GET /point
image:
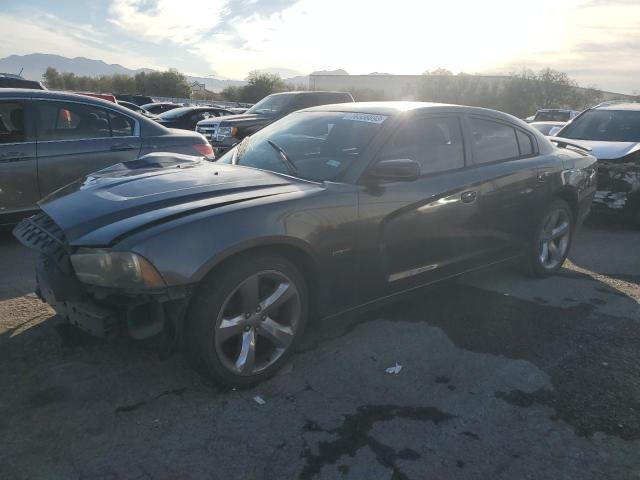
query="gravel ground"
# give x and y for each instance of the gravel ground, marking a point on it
(502, 377)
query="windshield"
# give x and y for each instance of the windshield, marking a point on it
(173, 114)
(552, 116)
(316, 146)
(270, 105)
(605, 125)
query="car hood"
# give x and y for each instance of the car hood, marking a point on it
(102, 207)
(609, 150)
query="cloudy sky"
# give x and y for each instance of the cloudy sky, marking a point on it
(595, 41)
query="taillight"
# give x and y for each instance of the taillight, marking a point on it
(205, 149)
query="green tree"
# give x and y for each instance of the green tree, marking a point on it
(232, 93)
(260, 84)
(51, 78)
(164, 84)
(438, 71)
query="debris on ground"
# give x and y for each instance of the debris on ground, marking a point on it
(395, 370)
(259, 400)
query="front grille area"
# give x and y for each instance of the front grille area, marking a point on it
(208, 132)
(41, 233)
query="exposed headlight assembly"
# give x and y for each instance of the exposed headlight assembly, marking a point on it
(107, 268)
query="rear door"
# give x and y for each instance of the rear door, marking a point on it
(419, 231)
(18, 165)
(512, 183)
(75, 139)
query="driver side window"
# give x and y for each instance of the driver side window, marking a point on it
(435, 143)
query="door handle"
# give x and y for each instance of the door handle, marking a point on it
(469, 196)
(122, 147)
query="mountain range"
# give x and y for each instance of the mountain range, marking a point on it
(34, 65)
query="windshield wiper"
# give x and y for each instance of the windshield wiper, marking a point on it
(285, 158)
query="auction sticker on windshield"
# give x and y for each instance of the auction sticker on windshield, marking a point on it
(365, 117)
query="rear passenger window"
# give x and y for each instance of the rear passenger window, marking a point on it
(525, 144)
(493, 141)
(435, 143)
(11, 122)
(121, 126)
(71, 121)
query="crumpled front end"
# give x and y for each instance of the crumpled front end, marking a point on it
(99, 311)
(619, 184)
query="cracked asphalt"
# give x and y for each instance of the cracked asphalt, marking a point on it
(502, 377)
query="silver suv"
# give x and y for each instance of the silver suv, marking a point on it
(612, 131)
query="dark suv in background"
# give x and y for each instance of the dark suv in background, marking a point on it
(224, 133)
(8, 80)
(186, 118)
(48, 139)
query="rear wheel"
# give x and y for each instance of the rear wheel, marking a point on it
(552, 239)
(246, 319)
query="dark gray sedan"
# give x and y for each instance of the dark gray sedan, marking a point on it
(327, 210)
(48, 139)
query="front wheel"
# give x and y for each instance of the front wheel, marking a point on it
(552, 238)
(246, 319)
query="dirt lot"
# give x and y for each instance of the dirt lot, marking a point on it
(503, 378)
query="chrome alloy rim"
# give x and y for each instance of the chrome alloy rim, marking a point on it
(257, 323)
(554, 239)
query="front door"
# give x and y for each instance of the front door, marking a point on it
(423, 230)
(18, 165)
(75, 139)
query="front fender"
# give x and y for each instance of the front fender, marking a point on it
(270, 241)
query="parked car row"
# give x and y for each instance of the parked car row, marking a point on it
(386, 196)
(224, 133)
(327, 210)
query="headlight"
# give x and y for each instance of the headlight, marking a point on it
(115, 269)
(227, 131)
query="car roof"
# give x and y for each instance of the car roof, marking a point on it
(308, 92)
(632, 106)
(397, 108)
(52, 95)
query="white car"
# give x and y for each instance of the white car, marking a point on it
(548, 129)
(612, 131)
(553, 115)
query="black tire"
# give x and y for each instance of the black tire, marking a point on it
(533, 264)
(204, 317)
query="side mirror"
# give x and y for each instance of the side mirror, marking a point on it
(403, 169)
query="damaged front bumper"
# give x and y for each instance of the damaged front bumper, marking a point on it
(618, 186)
(109, 312)
(100, 311)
